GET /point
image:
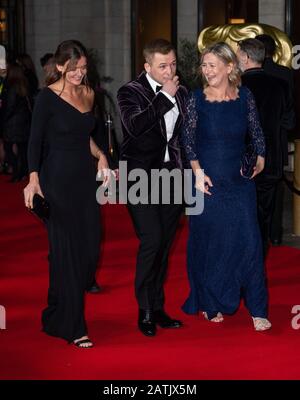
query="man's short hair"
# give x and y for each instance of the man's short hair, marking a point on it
(269, 43)
(161, 46)
(254, 49)
(46, 57)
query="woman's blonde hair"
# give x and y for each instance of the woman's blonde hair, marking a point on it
(225, 53)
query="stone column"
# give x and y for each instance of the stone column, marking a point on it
(187, 20)
(272, 12)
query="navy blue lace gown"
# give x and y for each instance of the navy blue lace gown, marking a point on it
(224, 247)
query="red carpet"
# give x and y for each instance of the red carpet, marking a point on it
(200, 350)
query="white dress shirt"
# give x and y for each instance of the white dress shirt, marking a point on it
(170, 117)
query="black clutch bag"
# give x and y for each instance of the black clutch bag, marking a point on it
(249, 160)
(40, 208)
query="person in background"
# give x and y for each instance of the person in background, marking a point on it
(46, 59)
(3, 73)
(276, 116)
(286, 74)
(3, 70)
(46, 62)
(26, 63)
(16, 118)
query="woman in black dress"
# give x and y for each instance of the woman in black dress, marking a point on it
(62, 170)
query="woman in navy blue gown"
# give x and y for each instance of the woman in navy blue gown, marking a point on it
(225, 257)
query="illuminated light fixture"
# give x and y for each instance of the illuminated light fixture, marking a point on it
(2, 26)
(2, 20)
(236, 21)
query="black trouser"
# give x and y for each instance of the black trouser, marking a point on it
(9, 157)
(155, 226)
(18, 161)
(276, 229)
(265, 190)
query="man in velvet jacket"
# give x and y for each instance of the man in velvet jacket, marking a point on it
(152, 108)
(276, 114)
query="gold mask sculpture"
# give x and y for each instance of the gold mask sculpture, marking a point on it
(232, 34)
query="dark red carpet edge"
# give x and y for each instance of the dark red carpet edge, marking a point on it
(200, 350)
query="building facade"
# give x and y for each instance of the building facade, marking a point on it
(117, 29)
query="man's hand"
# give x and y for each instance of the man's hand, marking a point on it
(171, 86)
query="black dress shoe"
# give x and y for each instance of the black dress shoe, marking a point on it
(6, 169)
(14, 179)
(276, 242)
(145, 323)
(17, 177)
(164, 321)
(94, 289)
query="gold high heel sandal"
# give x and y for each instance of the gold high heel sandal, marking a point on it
(218, 318)
(261, 324)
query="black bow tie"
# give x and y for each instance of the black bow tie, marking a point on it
(158, 88)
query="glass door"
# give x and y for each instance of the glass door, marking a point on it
(150, 20)
(12, 34)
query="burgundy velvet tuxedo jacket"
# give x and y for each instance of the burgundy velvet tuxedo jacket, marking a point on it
(144, 131)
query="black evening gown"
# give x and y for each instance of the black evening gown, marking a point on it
(59, 150)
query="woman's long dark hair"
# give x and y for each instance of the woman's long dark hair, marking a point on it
(69, 50)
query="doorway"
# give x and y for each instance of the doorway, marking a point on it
(12, 34)
(150, 20)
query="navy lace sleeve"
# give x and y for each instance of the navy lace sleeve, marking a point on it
(254, 127)
(189, 128)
